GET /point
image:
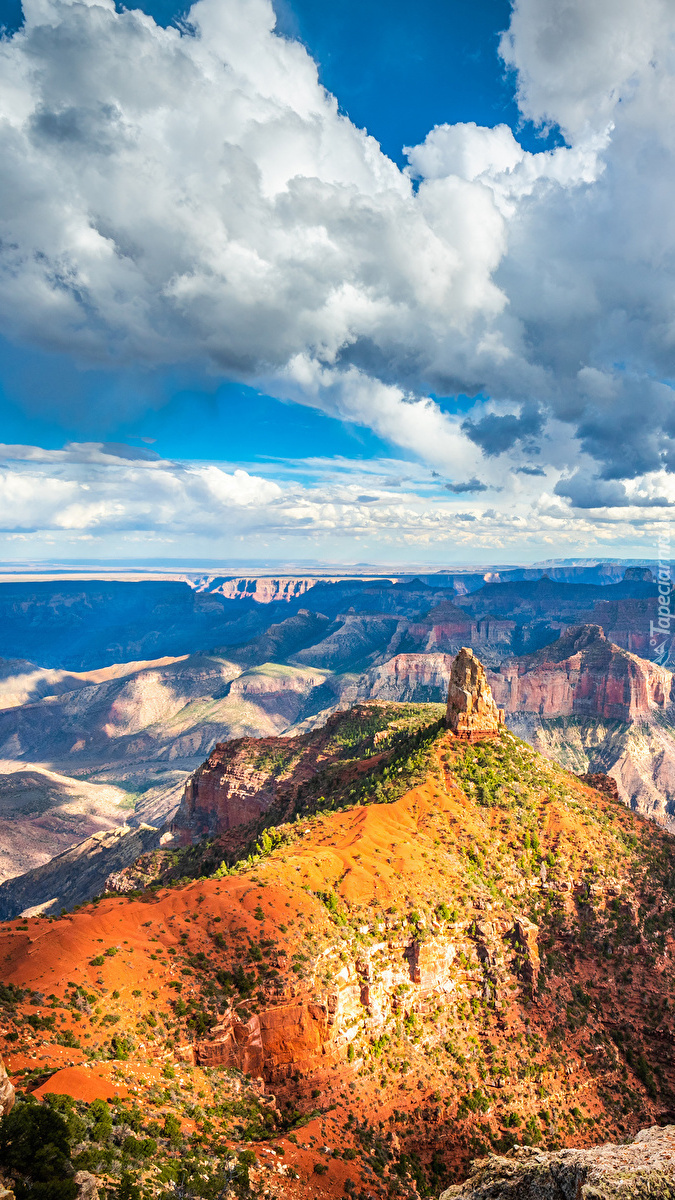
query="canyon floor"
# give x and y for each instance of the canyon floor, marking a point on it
(418, 951)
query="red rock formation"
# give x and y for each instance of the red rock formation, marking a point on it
(626, 623)
(471, 712)
(447, 627)
(241, 779)
(273, 1044)
(227, 790)
(582, 674)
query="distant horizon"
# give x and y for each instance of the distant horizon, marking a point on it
(13, 570)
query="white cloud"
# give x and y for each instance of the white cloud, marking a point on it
(106, 500)
(577, 60)
(195, 195)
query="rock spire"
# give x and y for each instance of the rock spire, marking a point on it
(471, 713)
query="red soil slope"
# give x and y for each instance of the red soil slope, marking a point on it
(445, 967)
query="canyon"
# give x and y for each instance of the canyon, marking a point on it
(125, 736)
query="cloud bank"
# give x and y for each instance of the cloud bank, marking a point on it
(97, 492)
(194, 195)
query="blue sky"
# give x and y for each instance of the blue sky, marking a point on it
(420, 314)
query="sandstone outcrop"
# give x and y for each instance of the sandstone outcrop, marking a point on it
(471, 711)
(229, 789)
(643, 1168)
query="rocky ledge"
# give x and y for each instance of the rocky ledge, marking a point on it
(643, 1167)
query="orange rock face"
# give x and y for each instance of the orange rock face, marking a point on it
(272, 1044)
(472, 712)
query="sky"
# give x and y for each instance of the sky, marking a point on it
(368, 282)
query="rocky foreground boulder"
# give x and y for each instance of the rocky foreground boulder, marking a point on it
(643, 1167)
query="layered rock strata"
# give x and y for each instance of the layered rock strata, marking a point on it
(385, 983)
(582, 674)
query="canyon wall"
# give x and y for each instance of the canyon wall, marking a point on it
(583, 674)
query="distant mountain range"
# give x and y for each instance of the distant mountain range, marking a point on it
(82, 625)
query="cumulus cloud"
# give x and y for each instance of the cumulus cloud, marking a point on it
(85, 488)
(589, 491)
(194, 195)
(577, 61)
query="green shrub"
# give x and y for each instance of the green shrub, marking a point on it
(126, 1189)
(35, 1149)
(102, 1128)
(172, 1129)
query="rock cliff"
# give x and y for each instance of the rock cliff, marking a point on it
(411, 677)
(263, 589)
(582, 674)
(596, 707)
(231, 788)
(246, 777)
